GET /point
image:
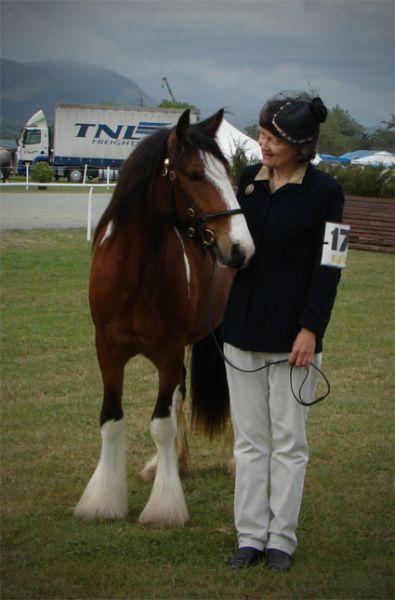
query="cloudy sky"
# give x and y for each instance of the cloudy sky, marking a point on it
(220, 52)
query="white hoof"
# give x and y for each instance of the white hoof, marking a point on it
(165, 512)
(105, 496)
(99, 501)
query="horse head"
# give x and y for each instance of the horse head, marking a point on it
(200, 194)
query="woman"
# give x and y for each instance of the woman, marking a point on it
(278, 308)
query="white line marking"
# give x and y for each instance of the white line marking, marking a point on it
(186, 262)
(109, 231)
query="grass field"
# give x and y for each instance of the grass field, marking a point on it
(51, 395)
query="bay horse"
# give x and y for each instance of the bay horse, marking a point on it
(159, 281)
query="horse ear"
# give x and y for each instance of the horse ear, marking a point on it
(211, 124)
(183, 124)
(179, 132)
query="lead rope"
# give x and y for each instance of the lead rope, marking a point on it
(267, 364)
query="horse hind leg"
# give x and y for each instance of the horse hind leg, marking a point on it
(182, 436)
(147, 473)
(105, 496)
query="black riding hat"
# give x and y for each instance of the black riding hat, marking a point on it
(298, 121)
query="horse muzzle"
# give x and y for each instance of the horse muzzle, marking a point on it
(235, 256)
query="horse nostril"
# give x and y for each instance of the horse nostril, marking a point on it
(238, 256)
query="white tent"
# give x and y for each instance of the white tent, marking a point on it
(384, 159)
(229, 139)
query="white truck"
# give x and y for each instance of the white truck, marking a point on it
(90, 139)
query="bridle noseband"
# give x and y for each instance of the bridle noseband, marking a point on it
(197, 221)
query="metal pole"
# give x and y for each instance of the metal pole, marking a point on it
(89, 221)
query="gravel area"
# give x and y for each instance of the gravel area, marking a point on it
(26, 210)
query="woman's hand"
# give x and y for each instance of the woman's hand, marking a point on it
(303, 349)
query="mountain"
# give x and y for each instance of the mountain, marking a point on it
(27, 87)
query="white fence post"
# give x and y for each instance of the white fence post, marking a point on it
(27, 176)
(89, 220)
(108, 177)
(85, 172)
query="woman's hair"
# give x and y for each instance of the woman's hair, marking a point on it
(295, 121)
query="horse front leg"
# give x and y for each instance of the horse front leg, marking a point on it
(105, 496)
(147, 473)
(166, 504)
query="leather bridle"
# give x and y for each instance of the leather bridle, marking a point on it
(197, 222)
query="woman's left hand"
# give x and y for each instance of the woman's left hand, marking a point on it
(303, 349)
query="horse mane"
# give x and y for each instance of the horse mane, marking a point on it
(134, 187)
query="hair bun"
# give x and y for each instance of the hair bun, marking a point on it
(318, 109)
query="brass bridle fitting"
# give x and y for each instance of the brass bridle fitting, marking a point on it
(165, 170)
(208, 237)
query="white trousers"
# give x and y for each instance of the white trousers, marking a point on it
(271, 451)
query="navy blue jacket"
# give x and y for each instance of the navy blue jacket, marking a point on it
(284, 288)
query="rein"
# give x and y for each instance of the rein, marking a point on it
(298, 396)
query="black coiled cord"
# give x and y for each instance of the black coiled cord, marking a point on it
(298, 396)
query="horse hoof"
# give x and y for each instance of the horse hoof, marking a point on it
(102, 501)
(163, 518)
(232, 467)
(147, 473)
(88, 513)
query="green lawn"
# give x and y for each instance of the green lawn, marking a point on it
(51, 396)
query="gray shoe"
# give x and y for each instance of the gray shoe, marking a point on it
(245, 557)
(277, 561)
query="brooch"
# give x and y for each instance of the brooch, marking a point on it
(249, 189)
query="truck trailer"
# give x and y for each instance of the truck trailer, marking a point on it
(90, 138)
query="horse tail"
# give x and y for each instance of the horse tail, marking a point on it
(209, 388)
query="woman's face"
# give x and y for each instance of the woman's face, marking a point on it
(275, 152)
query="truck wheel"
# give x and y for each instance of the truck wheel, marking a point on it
(75, 176)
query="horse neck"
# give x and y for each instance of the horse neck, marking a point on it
(146, 225)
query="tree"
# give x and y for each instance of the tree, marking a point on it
(341, 133)
(171, 104)
(383, 139)
(391, 123)
(252, 131)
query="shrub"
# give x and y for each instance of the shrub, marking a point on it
(42, 172)
(377, 182)
(237, 163)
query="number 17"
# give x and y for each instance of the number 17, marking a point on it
(335, 239)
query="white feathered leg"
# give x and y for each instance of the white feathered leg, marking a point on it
(147, 473)
(166, 504)
(105, 496)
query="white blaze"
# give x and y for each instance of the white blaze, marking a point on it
(239, 233)
(109, 230)
(186, 262)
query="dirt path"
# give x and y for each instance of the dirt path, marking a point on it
(26, 210)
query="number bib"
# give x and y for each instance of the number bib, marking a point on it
(335, 246)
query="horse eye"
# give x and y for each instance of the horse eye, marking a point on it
(194, 176)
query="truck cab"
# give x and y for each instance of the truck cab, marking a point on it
(34, 142)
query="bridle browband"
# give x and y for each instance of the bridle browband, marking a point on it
(197, 221)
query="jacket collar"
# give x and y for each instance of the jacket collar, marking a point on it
(297, 177)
